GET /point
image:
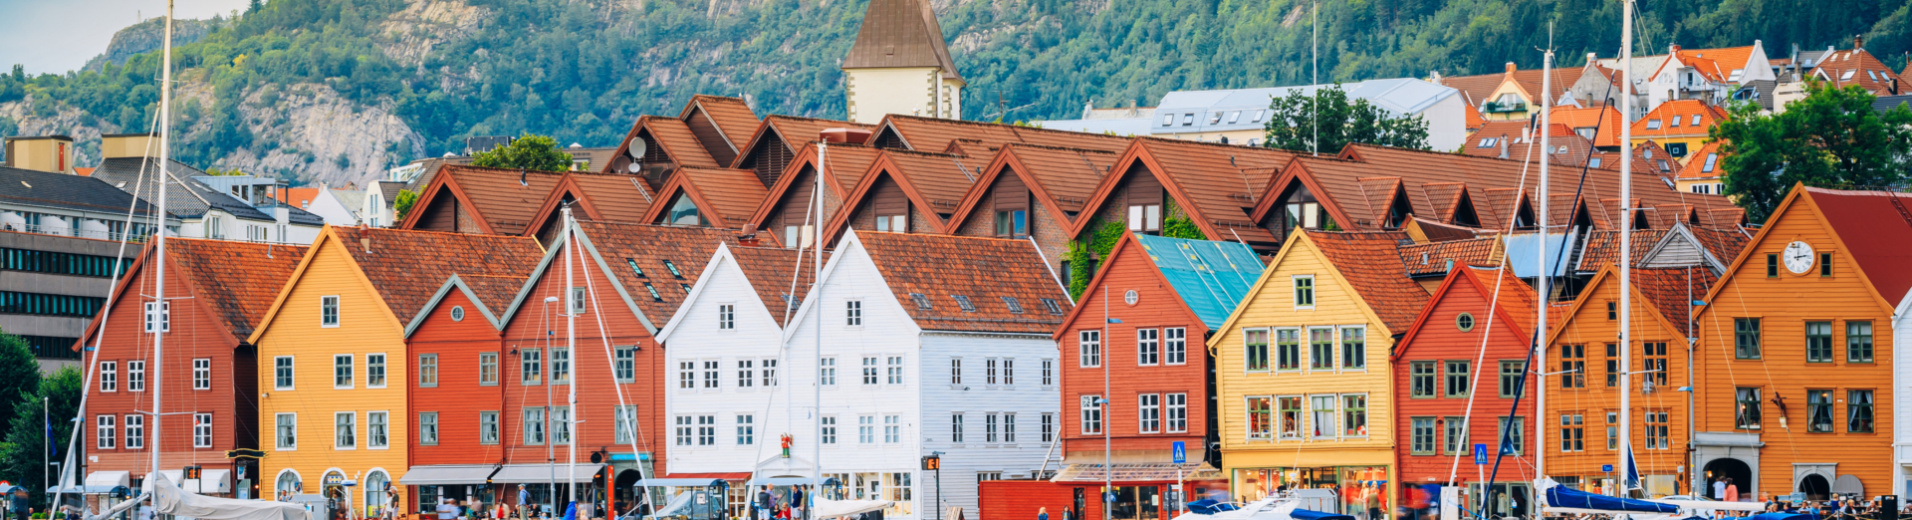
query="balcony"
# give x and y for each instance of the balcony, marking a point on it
(1495, 107)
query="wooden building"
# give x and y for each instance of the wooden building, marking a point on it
(455, 396)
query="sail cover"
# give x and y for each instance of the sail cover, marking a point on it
(169, 499)
(1563, 496)
(1304, 514)
(1783, 516)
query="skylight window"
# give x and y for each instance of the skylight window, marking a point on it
(635, 268)
(1015, 307)
(1258, 115)
(653, 289)
(922, 301)
(1664, 167)
(1652, 124)
(1676, 122)
(1234, 117)
(1168, 119)
(673, 268)
(1711, 160)
(1054, 308)
(1488, 142)
(963, 301)
(1870, 74)
(1848, 75)
(1215, 118)
(1696, 120)
(1188, 119)
(1594, 162)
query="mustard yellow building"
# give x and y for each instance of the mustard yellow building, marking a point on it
(1680, 126)
(1302, 374)
(333, 365)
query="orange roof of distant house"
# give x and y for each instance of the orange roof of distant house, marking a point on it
(1858, 67)
(1704, 164)
(1678, 118)
(1716, 64)
(1474, 119)
(1606, 119)
(298, 197)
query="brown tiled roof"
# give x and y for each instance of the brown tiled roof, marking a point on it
(1604, 120)
(1667, 290)
(985, 270)
(732, 116)
(1069, 175)
(1724, 244)
(504, 198)
(982, 140)
(942, 180)
(495, 292)
(1603, 246)
(1675, 119)
(1215, 181)
(900, 34)
(727, 197)
(1432, 258)
(615, 197)
(687, 248)
(1475, 90)
(1371, 263)
(1697, 167)
(669, 135)
(1437, 231)
(770, 269)
(846, 165)
(1876, 229)
(1516, 301)
(407, 267)
(239, 280)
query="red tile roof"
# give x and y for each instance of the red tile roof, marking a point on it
(1604, 121)
(1671, 290)
(984, 270)
(1214, 183)
(297, 197)
(503, 199)
(1063, 179)
(726, 198)
(1432, 258)
(407, 267)
(495, 292)
(770, 270)
(732, 116)
(982, 140)
(1674, 118)
(1371, 263)
(239, 280)
(1858, 67)
(650, 247)
(1698, 167)
(1876, 229)
(668, 136)
(1601, 248)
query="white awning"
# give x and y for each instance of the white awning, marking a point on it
(108, 478)
(210, 482)
(535, 473)
(447, 474)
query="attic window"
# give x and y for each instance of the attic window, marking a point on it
(1848, 74)
(963, 301)
(1652, 124)
(1188, 119)
(1258, 115)
(1675, 123)
(1488, 142)
(1664, 167)
(922, 302)
(673, 268)
(1215, 118)
(685, 286)
(1234, 117)
(1594, 162)
(1696, 120)
(635, 268)
(1423, 258)
(792, 301)
(1054, 308)
(1711, 159)
(1015, 307)
(1870, 74)
(654, 296)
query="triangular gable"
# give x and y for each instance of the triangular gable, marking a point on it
(443, 185)
(1006, 160)
(567, 190)
(327, 238)
(1294, 242)
(1123, 248)
(670, 141)
(1800, 193)
(551, 256)
(1679, 242)
(1138, 156)
(1296, 173)
(885, 167)
(806, 158)
(680, 185)
(121, 292)
(718, 260)
(453, 283)
(1586, 295)
(1462, 275)
(846, 247)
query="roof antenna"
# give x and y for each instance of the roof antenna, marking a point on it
(521, 177)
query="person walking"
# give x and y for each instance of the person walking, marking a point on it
(446, 510)
(1719, 488)
(1042, 513)
(766, 504)
(1732, 491)
(21, 504)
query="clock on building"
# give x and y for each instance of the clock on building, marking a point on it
(1798, 257)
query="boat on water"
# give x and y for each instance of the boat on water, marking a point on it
(1285, 505)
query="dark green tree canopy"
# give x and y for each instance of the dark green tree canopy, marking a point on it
(1831, 139)
(530, 152)
(1295, 123)
(23, 455)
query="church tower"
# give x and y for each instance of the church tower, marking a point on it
(900, 65)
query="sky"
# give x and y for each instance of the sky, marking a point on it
(57, 36)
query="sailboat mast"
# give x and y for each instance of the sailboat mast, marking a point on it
(570, 354)
(1625, 466)
(816, 280)
(1542, 278)
(157, 316)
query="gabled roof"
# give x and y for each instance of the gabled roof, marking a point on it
(72, 192)
(900, 34)
(770, 270)
(668, 136)
(845, 165)
(1604, 120)
(622, 249)
(1514, 304)
(1371, 264)
(1716, 64)
(1858, 67)
(726, 198)
(983, 270)
(1213, 183)
(598, 196)
(1600, 248)
(1211, 277)
(980, 140)
(1674, 118)
(1671, 290)
(489, 293)
(1699, 167)
(935, 184)
(1566, 147)
(1876, 229)
(503, 201)
(1062, 178)
(732, 117)
(236, 281)
(1439, 258)
(1479, 89)
(795, 133)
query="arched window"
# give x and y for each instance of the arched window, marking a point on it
(287, 485)
(375, 484)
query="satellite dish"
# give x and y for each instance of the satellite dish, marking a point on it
(634, 167)
(637, 148)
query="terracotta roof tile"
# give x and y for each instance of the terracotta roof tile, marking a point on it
(941, 179)
(982, 140)
(1603, 121)
(732, 116)
(655, 249)
(495, 292)
(732, 195)
(1601, 248)
(239, 279)
(1431, 259)
(1876, 228)
(1699, 167)
(1223, 182)
(506, 199)
(1070, 175)
(984, 270)
(1674, 118)
(616, 197)
(1436, 231)
(1859, 67)
(1671, 290)
(407, 267)
(1371, 263)
(1724, 244)
(770, 270)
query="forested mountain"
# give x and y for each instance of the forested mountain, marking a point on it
(338, 89)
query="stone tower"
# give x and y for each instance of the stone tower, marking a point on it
(900, 65)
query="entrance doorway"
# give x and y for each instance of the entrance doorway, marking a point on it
(625, 491)
(1815, 487)
(1730, 470)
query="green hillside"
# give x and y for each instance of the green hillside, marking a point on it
(582, 70)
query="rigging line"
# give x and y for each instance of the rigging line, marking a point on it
(636, 435)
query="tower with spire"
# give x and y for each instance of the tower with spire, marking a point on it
(901, 65)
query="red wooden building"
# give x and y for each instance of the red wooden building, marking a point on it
(1465, 357)
(1139, 331)
(217, 291)
(456, 396)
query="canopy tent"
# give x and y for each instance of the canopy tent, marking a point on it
(447, 474)
(108, 478)
(536, 473)
(210, 481)
(827, 508)
(169, 499)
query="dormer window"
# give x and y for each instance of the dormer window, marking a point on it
(1696, 120)
(1488, 142)
(963, 301)
(1015, 307)
(921, 300)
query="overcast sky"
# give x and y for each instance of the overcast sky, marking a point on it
(60, 35)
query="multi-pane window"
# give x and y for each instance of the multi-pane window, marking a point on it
(1048, 427)
(1613, 431)
(956, 371)
(1819, 411)
(1859, 411)
(685, 430)
(345, 430)
(866, 429)
(1746, 408)
(560, 365)
(427, 369)
(1819, 342)
(1089, 348)
(135, 376)
(135, 431)
(1261, 418)
(1323, 407)
(202, 373)
(1457, 378)
(159, 317)
(1656, 430)
(1613, 365)
(1149, 410)
(560, 425)
(375, 371)
(1091, 415)
(342, 371)
(1048, 372)
(990, 434)
(625, 363)
(1354, 348)
(1008, 371)
(1288, 349)
(108, 434)
(286, 431)
(710, 374)
(1456, 436)
(1321, 349)
(488, 369)
(769, 372)
(706, 430)
(869, 370)
(428, 428)
(989, 371)
(1511, 377)
(1255, 345)
(1009, 428)
(488, 427)
(533, 425)
(1288, 414)
(109, 376)
(829, 429)
(1304, 292)
(853, 313)
(1573, 432)
(896, 370)
(1512, 432)
(1148, 347)
(687, 374)
(1859, 342)
(726, 317)
(625, 423)
(1655, 361)
(1573, 366)
(746, 429)
(892, 429)
(826, 371)
(328, 311)
(1175, 346)
(1421, 435)
(746, 373)
(531, 366)
(1746, 338)
(956, 428)
(281, 372)
(1421, 379)
(202, 430)
(1354, 415)
(1177, 412)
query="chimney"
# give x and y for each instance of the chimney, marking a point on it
(1858, 42)
(1434, 77)
(47, 153)
(365, 239)
(1503, 146)
(115, 146)
(1510, 67)
(1593, 58)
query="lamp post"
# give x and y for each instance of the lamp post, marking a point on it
(1102, 412)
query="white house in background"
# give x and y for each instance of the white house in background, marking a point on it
(376, 207)
(336, 210)
(723, 348)
(930, 343)
(1239, 116)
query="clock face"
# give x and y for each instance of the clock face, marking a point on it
(1798, 257)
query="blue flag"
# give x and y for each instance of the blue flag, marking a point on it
(52, 445)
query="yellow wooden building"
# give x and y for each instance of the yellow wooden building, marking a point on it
(1302, 373)
(333, 365)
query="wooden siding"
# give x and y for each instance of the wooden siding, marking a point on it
(709, 137)
(1783, 304)
(457, 397)
(1588, 326)
(1440, 339)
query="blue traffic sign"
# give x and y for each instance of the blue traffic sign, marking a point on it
(1180, 452)
(1480, 454)
(1109, 497)
(1606, 468)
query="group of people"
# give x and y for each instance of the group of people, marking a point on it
(771, 505)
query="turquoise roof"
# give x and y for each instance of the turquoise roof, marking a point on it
(1211, 277)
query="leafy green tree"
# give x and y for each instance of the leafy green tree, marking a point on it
(1300, 121)
(530, 152)
(19, 373)
(23, 455)
(1832, 138)
(403, 203)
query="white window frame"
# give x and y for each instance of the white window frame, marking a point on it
(202, 430)
(1314, 417)
(827, 371)
(135, 426)
(160, 313)
(351, 371)
(1090, 404)
(351, 424)
(106, 431)
(291, 369)
(624, 423)
(1173, 355)
(428, 428)
(853, 313)
(278, 441)
(136, 375)
(1089, 348)
(329, 312)
(384, 370)
(372, 441)
(1148, 347)
(1148, 408)
(726, 316)
(109, 376)
(1175, 413)
(202, 373)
